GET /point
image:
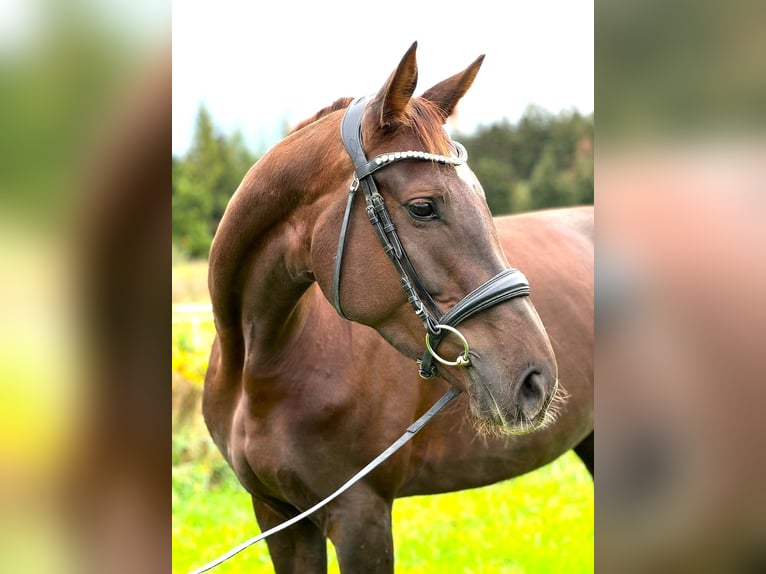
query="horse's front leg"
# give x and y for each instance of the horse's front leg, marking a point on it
(359, 525)
(300, 549)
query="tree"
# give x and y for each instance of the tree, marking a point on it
(203, 181)
(543, 161)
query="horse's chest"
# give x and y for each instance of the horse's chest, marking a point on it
(289, 450)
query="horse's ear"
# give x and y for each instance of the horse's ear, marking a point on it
(390, 103)
(446, 94)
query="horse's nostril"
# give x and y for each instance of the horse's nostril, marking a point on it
(532, 394)
(529, 386)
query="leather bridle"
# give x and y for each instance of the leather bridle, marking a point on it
(507, 284)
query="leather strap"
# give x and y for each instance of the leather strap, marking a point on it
(339, 254)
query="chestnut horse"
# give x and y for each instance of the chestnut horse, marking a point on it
(298, 397)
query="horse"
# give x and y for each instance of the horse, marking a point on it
(313, 369)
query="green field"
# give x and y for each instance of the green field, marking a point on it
(538, 523)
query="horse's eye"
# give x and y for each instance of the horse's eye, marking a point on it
(422, 210)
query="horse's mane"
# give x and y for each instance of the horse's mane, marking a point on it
(338, 104)
(421, 115)
(426, 121)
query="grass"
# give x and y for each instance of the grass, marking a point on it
(538, 523)
(541, 522)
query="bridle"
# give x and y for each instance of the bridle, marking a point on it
(508, 284)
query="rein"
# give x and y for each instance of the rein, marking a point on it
(382, 457)
(508, 284)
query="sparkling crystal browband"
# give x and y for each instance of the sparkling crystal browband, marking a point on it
(389, 157)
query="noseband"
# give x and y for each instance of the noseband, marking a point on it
(508, 284)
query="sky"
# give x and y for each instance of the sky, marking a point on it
(261, 66)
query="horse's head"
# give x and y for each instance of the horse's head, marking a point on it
(440, 216)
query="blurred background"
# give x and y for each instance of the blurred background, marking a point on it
(680, 278)
(84, 223)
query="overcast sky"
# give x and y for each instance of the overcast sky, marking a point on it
(258, 66)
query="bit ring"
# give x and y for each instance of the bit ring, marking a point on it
(461, 360)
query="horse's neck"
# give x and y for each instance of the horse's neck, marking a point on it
(275, 281)
(260, 258)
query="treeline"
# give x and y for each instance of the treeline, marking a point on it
(544, 160)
